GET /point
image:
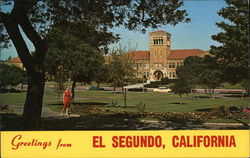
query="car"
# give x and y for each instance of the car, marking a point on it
(137, 89)
(95, 88)
(162, 89)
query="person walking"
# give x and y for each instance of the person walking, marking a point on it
(66, 101)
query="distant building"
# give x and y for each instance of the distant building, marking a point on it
(160, 61)
(16, 61)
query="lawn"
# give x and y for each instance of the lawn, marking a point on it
(154, 102)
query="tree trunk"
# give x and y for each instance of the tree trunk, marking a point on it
(124, 97)
(33, 103)
(73, 92)
(32, 63)
(198, 96)
(242, 94)
(180, 98)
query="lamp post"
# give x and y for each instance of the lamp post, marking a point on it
(143, 76)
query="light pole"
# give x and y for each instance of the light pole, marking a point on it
(143, 76)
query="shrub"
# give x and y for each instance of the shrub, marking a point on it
(141, 107)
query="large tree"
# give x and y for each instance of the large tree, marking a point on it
(210, 75)
(120, 70)
(70, 58)
(190, 71)
(232, 53)
(35, 17)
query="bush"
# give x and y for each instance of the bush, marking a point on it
(11, 75)
(141, 107)
(155, 84)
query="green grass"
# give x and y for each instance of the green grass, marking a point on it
(155, 102)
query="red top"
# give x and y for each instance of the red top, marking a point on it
(67, 94)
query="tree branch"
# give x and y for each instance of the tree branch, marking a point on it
(19, 43)
(20, 11)
(2, 17)
(10, 23)
(38, 42)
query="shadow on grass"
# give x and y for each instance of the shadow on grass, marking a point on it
(178, 103)
(12, 90)
(204, 110)
(82, 103)
(12, 122)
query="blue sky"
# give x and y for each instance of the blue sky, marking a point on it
(194, 35)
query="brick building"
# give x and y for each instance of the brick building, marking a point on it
(160, 61)
(17, 62)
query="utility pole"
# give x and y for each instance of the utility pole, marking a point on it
(143, 76)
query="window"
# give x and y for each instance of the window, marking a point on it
(158, 41)
(170, 74)
(155, 54)
(171, 65)
(178, 64)
(139, 65)
(160, 53)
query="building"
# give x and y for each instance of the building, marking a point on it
(17, 62)
(160, 61)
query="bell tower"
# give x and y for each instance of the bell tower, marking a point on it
(159, 51)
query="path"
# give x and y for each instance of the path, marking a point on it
(46, 112)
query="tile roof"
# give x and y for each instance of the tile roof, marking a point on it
(183, 53)
(135, 55)
(15, 60)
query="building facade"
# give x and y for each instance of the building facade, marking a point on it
(160, 61)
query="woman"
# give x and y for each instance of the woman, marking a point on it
(66, 101)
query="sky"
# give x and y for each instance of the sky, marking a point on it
(193, 35)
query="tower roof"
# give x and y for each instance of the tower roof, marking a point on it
(160, 32)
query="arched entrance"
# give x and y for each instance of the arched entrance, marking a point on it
(158, 75)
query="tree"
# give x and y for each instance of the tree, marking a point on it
(210, 76)
(10, 75)
(190, 71)
(165, 81)
(200, 71)
(120, 70)
(101, 75)
(181, 87)
(69, 58)
(35, 17)
(233, 53)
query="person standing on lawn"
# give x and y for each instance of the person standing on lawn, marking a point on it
(66, 101)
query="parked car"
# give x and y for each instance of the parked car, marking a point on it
(137, 89)
(95, 88)
(162, 89)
